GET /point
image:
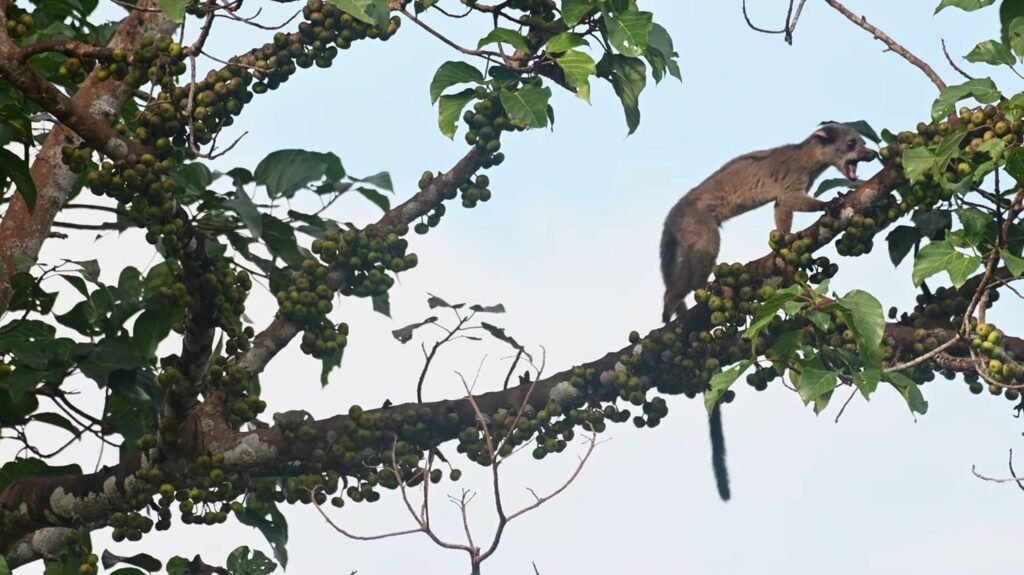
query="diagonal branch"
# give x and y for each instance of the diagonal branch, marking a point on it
(890, 43)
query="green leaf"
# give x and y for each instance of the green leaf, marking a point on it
(578, 67)
(499, 333)
(628, 77)
(574, 10)
(816, 383)
(867, 381)
(629, 31)
(992, 52)
(564, 42)
(56, 420)
(382, 304)
(910, 391)
(1009, 10)
(769, 308)
(369, 11)
(244, 561)
(942, 256)
(917, 161)
(449, 110)
(423, 5)
(981, 89)
(975, 223)
(378, 199)
(721, 381)
(1015, 33)
(279, 239)
(381, 180)
(141, 560)
(450, 74)
(284, 172)
(275, 529)
(15, 169)
(861, 127)
(329, 364)
(867, 325)
(527, 106)
(833, 183)
(195, 177)
(174, 9)
(247, 211)
(933, 224)
(4, 569)
(1013, 263)
(151, 327)
(901, 239)
(496, 308)
(177, 566)
(505, 36)
(661, 54)
(965, 5)
(1015, 164)
(404, 334)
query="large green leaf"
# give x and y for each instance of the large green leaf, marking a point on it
(450, 74)
(628, 32)
(449, 110)
(867, 322)
(244, 561)
(981, 89)
(247, 211)
(965, 5)
(505, 36)
(660, 54)
(942, 256)
(1009, 10)
(578, 67)
(284, 172)
(910, 391)
(901, 239)
(527, 106)
(574, 10)
(628, 77)
(815, 383)
(992, 52)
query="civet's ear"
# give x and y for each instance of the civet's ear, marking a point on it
(823, 135)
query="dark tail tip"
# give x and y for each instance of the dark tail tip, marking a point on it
(718, 453)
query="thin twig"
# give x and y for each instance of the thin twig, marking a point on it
(952, 64)
(791, 26)
(925, 357)
(762, 30)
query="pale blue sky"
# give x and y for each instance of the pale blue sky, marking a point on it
(568, 244)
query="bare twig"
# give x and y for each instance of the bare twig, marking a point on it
(952, 64)
(764, 30)
(924, 357)
(889, 42)
(791, 25)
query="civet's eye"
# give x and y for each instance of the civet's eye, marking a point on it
(851, 144)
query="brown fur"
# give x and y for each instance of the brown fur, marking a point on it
(690, 239)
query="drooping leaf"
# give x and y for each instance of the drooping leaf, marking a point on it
(933, 224)
(382, 304)
(901, 239)
(247, 211)
(434, 301)
(816, 383)
(628, 77)
(833, 183)
(499, 333)
(284, 172)
(452, 73)
(867, 323)
(975, 223)
(1015, 164)
(661, 54)
(496, 308)
(910, 391)
(16, 170)
(1013, 263)
(450, 108)
(721, 381)
(578, 67)
(1009, 10)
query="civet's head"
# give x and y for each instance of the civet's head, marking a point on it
(841, 146)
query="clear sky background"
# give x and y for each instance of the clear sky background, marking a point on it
(569, 245)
